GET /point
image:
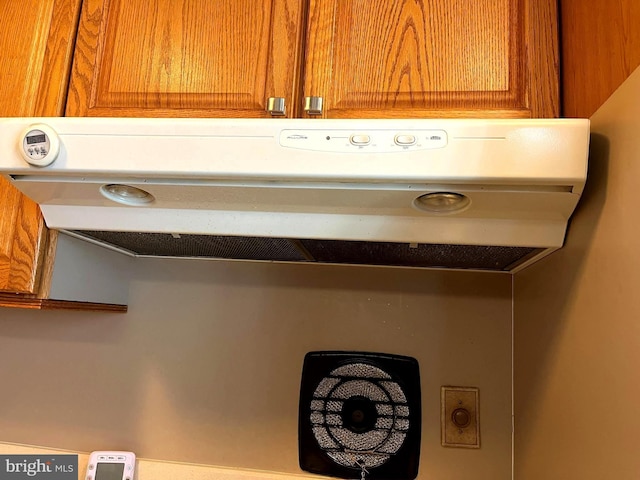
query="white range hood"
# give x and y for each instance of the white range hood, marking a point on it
(425, 193)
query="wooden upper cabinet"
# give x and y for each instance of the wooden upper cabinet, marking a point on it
(187, 58)
(433, 58)
(36, 44)
(364, 58)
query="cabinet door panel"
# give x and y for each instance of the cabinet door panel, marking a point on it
(409, 58)
(35, 55)
(185, 57)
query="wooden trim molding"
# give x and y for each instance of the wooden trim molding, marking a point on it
(26, 301)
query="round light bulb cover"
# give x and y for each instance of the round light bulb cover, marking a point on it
(126, 194)
(442, 203)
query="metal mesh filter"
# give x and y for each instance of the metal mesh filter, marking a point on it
(497, 258)
(420, 255)
(207, 246)
(359, 415)
(360, 370)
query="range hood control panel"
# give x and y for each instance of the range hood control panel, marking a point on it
(367, 141)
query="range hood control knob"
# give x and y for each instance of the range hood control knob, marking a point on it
(405, 140)
(360, 139)
(39, 145)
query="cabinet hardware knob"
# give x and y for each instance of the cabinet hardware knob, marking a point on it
(313, 105)
(276, 106)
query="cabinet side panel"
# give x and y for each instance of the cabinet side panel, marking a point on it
(21, 230)
(600, 48)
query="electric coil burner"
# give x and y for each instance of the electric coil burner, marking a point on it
(360, 414)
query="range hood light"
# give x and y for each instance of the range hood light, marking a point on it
(126, 194)
(442, 203)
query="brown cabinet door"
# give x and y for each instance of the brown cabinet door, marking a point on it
(185, 58)
(433, 58)
(36, 41)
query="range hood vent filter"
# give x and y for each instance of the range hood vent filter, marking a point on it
(477, 257)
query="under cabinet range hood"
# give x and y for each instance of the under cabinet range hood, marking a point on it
(472, 194)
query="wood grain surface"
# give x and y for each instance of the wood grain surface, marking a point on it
(542, 50)
(600, 48)
(451, 58)
(25, 301)
(21, 233)
(187, 58)
(36, 44)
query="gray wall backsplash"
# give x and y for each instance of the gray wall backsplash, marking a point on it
(205, 367)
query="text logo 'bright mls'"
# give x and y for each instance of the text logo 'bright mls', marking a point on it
(20, 467)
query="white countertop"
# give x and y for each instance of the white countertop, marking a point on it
(160, 470)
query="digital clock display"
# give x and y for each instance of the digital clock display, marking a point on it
(109, 471)
(36, 139)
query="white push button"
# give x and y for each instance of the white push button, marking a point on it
(360, 139)
(405, 139)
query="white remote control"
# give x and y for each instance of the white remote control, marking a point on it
(107, 465)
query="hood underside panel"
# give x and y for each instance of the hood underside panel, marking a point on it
(476, 257)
